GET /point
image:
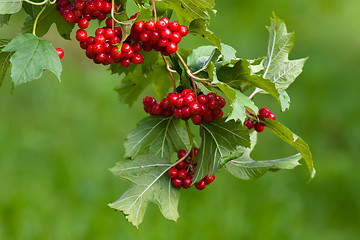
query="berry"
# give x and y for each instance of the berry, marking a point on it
(138, 26)
(174, 26)
(208, 179)
(125, 62)
(181, 153)
(176, 182)
(126, 48)
(183, 30)
(259, 126)
(272, 116)
(171, 47)
(156, 110)
(81, 35)
(200, 185)
(195, 108)
(249, 124)
(109, 33)
(264, 112)
(60, 52)
(182, 174)
(165, 19)
(69, 17)
(173, 172)
(98, 48)
(175, 37)
(180, 165)
(161, 25)
(137, 58)
(83, 23)
(196, 119)
(187, 182)
(166, 33)
(150, 25)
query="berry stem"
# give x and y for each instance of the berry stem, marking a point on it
(187, 71)
(36, 20)
(170, 72)
(38, 3)
(256, 91)
(155, 14)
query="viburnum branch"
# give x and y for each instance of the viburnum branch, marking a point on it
(36, 20)
(155, 14)
(187, 70)
(170, 71)
(197, 78)
(52, 2)
(256, 91)
(113, 17)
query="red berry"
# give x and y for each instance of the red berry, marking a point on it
(165, 104)
(203, 99)
(186, 112)
(174, 26)
(149, 101)
(83, 23)
(101, 57)
(178, 113)
(189, 99)
(60, 52)
(208, 179)
(162, 42)
(106, 7)
(195, 108)
(100, 39)
(180, 102)
(181, 153)
(109, 33)
(272, 116)
(259, 126)
(219, 115)
(89, 7)
(81, 35)
(118, 32)
(264, 112)
(172, 98)
(69, 17)
(165, 19)
(196, 119)
(161, 25)
(107, 47)
(115, 53)
(190, 175)
(176, 182)
(138, 26)
(180, 165)
(110, 22)
(137, 58)
(182, 174)
(175, 37)
(98, 48)
(183, 30)
(249, 124)
(136, 47)
(90, 40)
(222, 101)
(125, 62)
(200, 185)
(130, 54)
(186, 182)
(100, 31)
(144, 36)
(150, 25)
(171, 47)
(166, 33)
(83, 44)
(126, 48)
(156, 110)
(213, 104)
(114, 40)
(173, 172)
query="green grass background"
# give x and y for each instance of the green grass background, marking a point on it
(57, 141)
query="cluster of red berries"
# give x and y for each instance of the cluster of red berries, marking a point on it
(182, 173)
(185, 105)
(80, 10)
(162, 36)
(257, 125)
(102, 48)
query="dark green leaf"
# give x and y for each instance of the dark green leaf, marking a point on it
(46, 19)
(4, 60)
(10, 6)
(189, 10)
(279, 69)
(219, 140)
(148, 183)
(4, 19)
(31, 57)
(291, 138)
(244, 167)
(161, 80)
(198, 27)
(160, 136)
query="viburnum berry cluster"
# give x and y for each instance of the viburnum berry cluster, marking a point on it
(82, 11)
(186, 105)
(162, 36)
(182, 173)
(258, 125)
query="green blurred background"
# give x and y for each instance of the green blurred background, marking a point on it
(58, 141)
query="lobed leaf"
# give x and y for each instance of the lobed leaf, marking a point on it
(31, 57)
(198, 27)
(157, 135)
(244, 167)
(291, 138)
(10, 6)
(219, 140)
(148, 183)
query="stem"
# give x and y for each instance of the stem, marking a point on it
(170, 72)
(155, 14)
(36, 3)
(112, 15)
(37, 18)
(189, 132)
(256, 91)
(197, 78)
(187, 71)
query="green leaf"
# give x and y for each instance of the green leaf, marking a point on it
(189, 10)
(198, 27)
(46, 19)
(244, 167)
(200, 57)
(31, 57)
(148, 183)
(160, 136)
(279, 69)
(10, 6)
(4, 19)
(291, 138)
(228, 53)
(161, 80)
(219, 140)
(4, 60)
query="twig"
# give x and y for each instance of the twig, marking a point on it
(36, 19)
(256, 91)
(170, 72)
(187, 71)
(155, 15)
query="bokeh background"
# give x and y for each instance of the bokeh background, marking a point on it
(57, 141)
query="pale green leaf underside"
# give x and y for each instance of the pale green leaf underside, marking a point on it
(291, 138)
(148, 183)
(10, 6)
(31, 57)
(219, 139)
(157, 135)
(199, 27)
